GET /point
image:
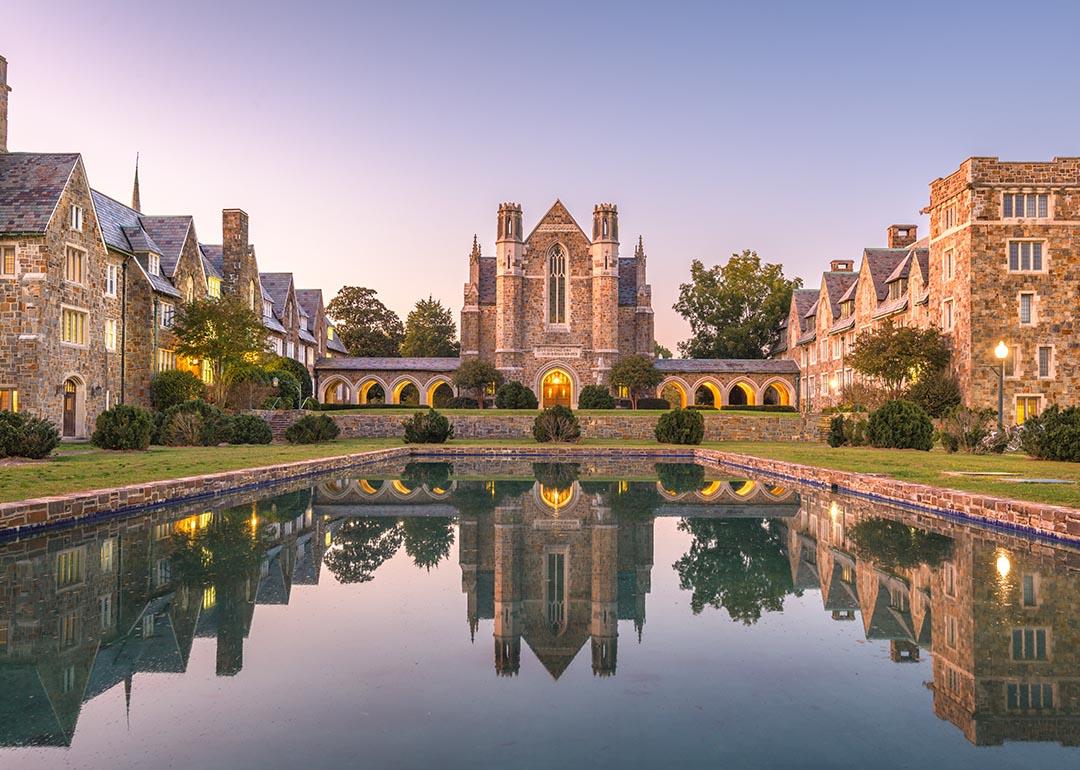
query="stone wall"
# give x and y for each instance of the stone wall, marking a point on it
(626, 425)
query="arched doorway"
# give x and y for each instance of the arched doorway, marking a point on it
(336, 392)
(440, 394)
(776, 394)
(371, 392)
(741, 394)
(407, 393)
(674, 394)
(72, 407)
(556, 389)
(708, 394)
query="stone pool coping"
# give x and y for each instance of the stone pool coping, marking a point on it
(1029, 518)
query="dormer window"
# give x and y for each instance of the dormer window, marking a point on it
(898, 288)
(268, 309)
(76, 217)
(847, 308)
(153, 264)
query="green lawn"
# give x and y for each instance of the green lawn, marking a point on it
(930, 468)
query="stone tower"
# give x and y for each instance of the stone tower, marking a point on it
(4, 89)
(509, 290)
(470, 310)
(508, 588)
(604, 253)
(604, 620)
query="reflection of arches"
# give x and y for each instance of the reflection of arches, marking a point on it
(74, 407)
(743, 488)
(371, 391)
(336, 390)
(708, 393)
(335, 489)
(439, 392)
(405, 390)
(776, 393)
(401, 489)
(711, 489)
(367, 488)
(674, 391)
(740, 393)
(557, 387)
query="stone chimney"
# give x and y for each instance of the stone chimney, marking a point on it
(902, 236)
(841, 266)
(4, 88)
(234, 247)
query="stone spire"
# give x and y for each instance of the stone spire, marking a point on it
(639, 250)
(136, 202)
(475, 248)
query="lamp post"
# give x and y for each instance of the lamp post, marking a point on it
(1001, 352)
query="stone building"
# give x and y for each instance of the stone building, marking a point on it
(999, 265)
(89, 289)
(553, 309)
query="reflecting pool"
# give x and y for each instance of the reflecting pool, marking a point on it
(514, 614)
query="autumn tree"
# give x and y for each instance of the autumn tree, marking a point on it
(430, 331)
(735, 309)
(223, 333)
(365, 326)
(477, 376)
(635, 373)
(895, 355)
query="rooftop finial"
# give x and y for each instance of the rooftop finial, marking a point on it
(475, 248)
(639, 251)
(136, 202)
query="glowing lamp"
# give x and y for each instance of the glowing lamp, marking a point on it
(1004, 566)
(1001, 352)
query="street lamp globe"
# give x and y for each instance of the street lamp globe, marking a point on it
(1001, 351)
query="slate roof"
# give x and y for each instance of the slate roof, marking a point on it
(628, 281)
(169, 232)
(902, 270)
(836, 284)
(117, 222)
(309, 301)
(273, 324)
(922, 258)
(306, 336)
(209, 267)
(842, 325)
(881, 263)
(850, 293)
(375, 364)
(727, 365)
(810, 336)
(213, 254)
(276, 285)
(811, 311)
(31, 184)
(888, 308)
(335, 345)
(486, 287)
(803, 299)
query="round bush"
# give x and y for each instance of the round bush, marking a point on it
(678, 478)
(167, 389)
(835, 436)
(194, 423)
(1053, 435)
(901, 425)
(557, 424)
(595, 397)
(288, 391)
(514, 395)
(23, 435)
(123, 427)
(428, 427)
(938, 393)
(680, 426)
(249, 429)
(312, 429)
(297, 370)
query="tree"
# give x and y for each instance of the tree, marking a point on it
(660, 351)
(365, 326)
(734, 310)
(894, 355)
(225, 334)
(361, 546)
(427, 539)
(477, 376)
(635, 373)
(430, 331)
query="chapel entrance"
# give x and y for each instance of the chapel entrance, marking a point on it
(71, 391)
(555, 389)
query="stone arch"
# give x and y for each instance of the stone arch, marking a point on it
(336, 390)
(559, 500)
(399, 390)
(367, 489)
(678, 387)
(777, 392)
(335, 489)
(73, 406)
(550, 369)
(365, 391)
(402, 491)
(707, 389)
(741, 392)
(743, 489)
(437, 388)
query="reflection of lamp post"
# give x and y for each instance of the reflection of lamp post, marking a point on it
(1001, 352)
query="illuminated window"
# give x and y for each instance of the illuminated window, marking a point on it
(1027, 205)
(557, 285)
(213, 287)
(206, 372)
(9, 400)
(69, 568)
(1029, 644)
(75, 265)
(1026, 695)
(166, 360)
(209, 597)
(110, 334)
(1025, 256)
(108, 555)
(7, 261)
(74, 326)
(1026, 407)
(76, 217)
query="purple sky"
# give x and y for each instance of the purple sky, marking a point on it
(368, 142)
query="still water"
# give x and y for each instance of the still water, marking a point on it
(519, 615)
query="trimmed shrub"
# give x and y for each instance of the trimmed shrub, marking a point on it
(835, 436)
(678, 478)
(287, 395)
(123, 427)
(23, 435)
(702, 407)
(558, 424)
(1053, 435)
(462, 402)
(194, 423)
(901, 425)
(296, 369)
(938, 393)
(680, 426)
(653, 403)
(312, 429)
(172, 387)
(595, 397)
(514, 395)
(846, 430)
(428, 427)
(249, 429)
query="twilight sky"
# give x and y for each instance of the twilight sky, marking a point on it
(369, 141)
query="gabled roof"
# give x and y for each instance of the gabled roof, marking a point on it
(309, 301)
(881, 263)
(811, 311)
(902, 270)
(169, 232)
(922, 259)
(31, 184)
(121, 227)
(560, 214)
(803, 299)
(277, 286)
(334, 344)
(836, 283)
(211, 269)
(628, 281)
(214, 255)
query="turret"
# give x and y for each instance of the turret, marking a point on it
(605, 246)
(604, 255)
(509, 246)
(509, 290)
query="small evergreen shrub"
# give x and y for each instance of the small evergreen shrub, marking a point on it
(938, 393)
(680, 426)
(558, 424)
(653, 403)
(835, 436)
(287, 395)
(428, 427)
(900, 425)
(194, 423)
(514, 395)
(175, 386)
(249, 429)
(312, 429)
(678, 478)
(123, 427)
(595, 397)
(298, 371)
(462, 402)
(1053, 435)
(24, 435)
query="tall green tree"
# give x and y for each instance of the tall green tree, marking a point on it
(479, 377)
(365, 326)
(225, 334)
(636, 373)
(660, 351)
(430, 331)
(361, 546)
(735, 309)
(895, 355)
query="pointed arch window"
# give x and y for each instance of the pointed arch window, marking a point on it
(557, 285)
